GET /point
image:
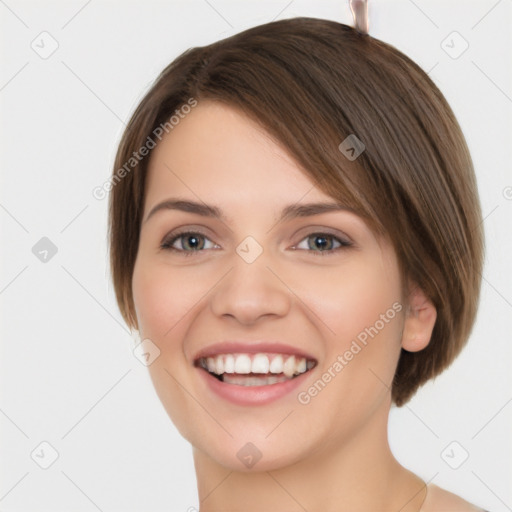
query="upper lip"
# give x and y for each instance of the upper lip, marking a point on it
(250, 347)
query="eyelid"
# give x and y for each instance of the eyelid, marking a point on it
(343, 244)
(189, 228)
(320, 230)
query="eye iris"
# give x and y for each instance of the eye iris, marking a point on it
(321, 242)
(192, 242)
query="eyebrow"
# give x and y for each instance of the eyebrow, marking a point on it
(289, 212)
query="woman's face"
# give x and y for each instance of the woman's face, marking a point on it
(318, 285)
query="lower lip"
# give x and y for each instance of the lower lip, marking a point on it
(252, 395)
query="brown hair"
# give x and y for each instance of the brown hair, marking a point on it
(311, 83)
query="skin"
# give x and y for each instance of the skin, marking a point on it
(331, 453)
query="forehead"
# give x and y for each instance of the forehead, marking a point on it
(216, 149)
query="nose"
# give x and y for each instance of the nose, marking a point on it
(250, 291)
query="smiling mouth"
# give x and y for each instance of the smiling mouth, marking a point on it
(261, 369)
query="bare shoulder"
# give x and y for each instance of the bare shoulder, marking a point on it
(441, 500)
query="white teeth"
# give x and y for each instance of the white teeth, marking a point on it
(253, 381)
(260, 364)
(276, 366)
(289, 366)
(229, 364)
(244, 364)
(219, 366)
(210, 364)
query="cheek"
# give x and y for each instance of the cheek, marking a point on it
(152, 304)
(351, 298)
(362, 318)
(163, 296)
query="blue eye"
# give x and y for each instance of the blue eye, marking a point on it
(323, 243)
(189, 241)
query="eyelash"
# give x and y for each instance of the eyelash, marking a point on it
(168, 243)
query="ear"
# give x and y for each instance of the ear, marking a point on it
(419, 323)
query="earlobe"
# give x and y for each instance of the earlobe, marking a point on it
(420, 319)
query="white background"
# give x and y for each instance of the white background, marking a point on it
(68, 376)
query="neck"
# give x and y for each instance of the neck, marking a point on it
(356, 475)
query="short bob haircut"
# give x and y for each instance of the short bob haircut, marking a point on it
(311, 83)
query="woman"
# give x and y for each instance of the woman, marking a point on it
(296, 234)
